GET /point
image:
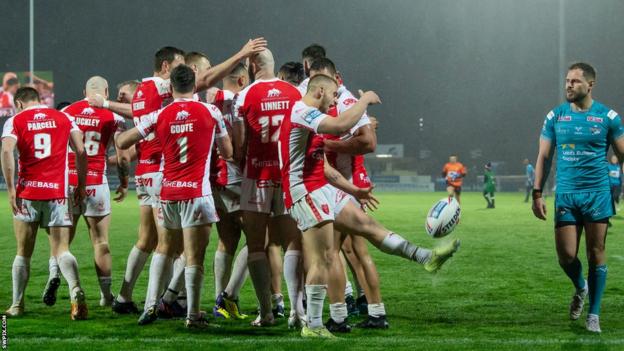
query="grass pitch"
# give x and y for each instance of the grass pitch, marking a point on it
(503, 291)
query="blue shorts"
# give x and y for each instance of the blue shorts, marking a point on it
(579, 208)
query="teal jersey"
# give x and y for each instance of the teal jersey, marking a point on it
(615, 174)
(582, 140)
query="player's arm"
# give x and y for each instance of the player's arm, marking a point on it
(364, 141)
(364, 195)
(347, 119)
(542, 170)
(215, 74)
(118, 107)
(132, 136)
(225, 147)
(8, 169)
(77, 145)
(123, 171)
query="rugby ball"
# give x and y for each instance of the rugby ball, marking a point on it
(442, 217)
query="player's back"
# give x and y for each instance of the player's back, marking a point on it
(186, 130)
(263, 106)
(42, 137)
(151, 95)
(98, 126)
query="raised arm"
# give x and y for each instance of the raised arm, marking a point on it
(118, 107)
(350, 117)
(364, 141)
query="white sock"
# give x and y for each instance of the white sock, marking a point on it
(292, 275)
(21, 273)
(194, 277)
(134, 267)
(261, 277)
(395, 244)
(53, 267)
(105, 287)
(338, 311)
(69, 268)
(376, 309)
(316, 298)
(160, 271)
(277, 300)
(222, 269)
(348, 288)
(239, 274)
(177, 280)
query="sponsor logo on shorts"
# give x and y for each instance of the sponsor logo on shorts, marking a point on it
(144, 181)
(91, 192)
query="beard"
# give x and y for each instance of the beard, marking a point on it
(576, 97)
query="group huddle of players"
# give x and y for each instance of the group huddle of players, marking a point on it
(278, 158)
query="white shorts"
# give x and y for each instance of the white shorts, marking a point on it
(187, 213)
(96, 204)
(148, 188)
(264, 196)
(227, 199)
(48, 213)
(321, 205)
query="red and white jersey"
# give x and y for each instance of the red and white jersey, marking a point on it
(186, 130)
(98, 126)
(224, 172)
(301, 153)
(303, 86)
(42, 136)
(262, 106)
(350, 166)
(151, 95)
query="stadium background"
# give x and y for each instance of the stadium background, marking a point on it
(481, 74)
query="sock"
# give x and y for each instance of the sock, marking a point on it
(222, 270)
(53, 267)
(574, 271)
(105, 287)
(21, 273)
(182, 297)
(277, 300)
(177, 280)
(360, 291)
(315, 298)
(292, 275)
(597, 280)
(194, 277)
(239, 274)
(376, 310)
(395, 244)
(69, 269)
(259, 271)
(348, 288)
(338, 312)
(159, 272)
(134, 267)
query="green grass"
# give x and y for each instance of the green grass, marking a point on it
(502, 291)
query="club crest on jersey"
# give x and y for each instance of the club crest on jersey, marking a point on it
(87, 111)
(40, 115)
(139, 94)
(274, 92)
(595, 130)
(182, 115)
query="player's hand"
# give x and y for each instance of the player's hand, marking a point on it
(123, 192)
(253, 47)
(80, 193)
(539, 208)
(365, 196)
(13, 202)
(370, 97)
(96, 100)
(374, 122)
(111, 160)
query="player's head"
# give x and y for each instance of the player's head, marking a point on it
(197, 61)
(488, 166)
(614, 159)
(8, 76)
(238, 79)
(26, 96)
(453, 159)
(291, 72)
(309, 55)
(166, 59)
(96, 85)
(580, 81)
(323, 90)
(125, 91)
(525, 161)
(324, 66)
(261, 62)
(183, 79)
(12, 85)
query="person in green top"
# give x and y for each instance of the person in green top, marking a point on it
(489, 185)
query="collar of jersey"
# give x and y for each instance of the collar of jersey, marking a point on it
(183, 99)
(35, 106)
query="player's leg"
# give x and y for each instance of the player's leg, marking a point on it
(336, 282)
(567, 236)
(229, 236)
(195, 243)
(228, 299)
(493, 199)
(529, 188)
(25, 236)
(351, 260)
(98, 232)
(168, 305)
(353, 219)
(54, 279)
(595, 238)
(274, 255)
(457, 193)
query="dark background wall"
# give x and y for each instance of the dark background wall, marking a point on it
(481, 73)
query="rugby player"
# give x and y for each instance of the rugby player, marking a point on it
(41, 136)
(454, 172)
(580, 132)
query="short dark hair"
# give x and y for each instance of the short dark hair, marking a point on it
(323, 63)
(133, 83)
(292, 72)
(167, 53)
(588, 70)
(182, 79)
(313, 52)
(26, 94)
(11, 82)
(194, 57)
(319, 80)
